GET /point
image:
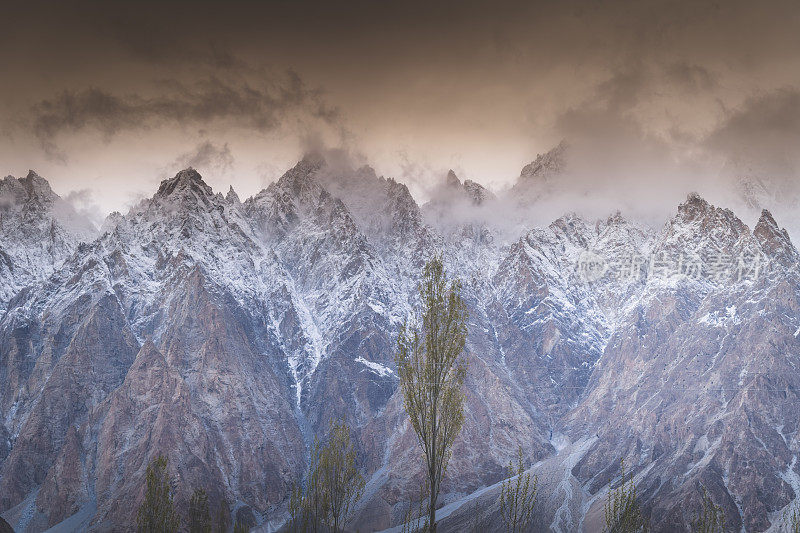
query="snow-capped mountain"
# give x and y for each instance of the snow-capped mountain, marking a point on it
(227, 333)
(38, 230)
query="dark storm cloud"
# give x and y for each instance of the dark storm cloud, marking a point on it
(770, 122)
(605, 114)
(422, 86)
(155, 40)
(206, 156)
(623, 89)
(259, 108)
(760, 142)
(691, 77)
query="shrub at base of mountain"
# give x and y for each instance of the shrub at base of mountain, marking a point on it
(711, 518)
(333, 485)
(223, 517)
(518, 497)
(622, 511)
(158, 514)
(416, 520)
(199, 515)
(157, 511)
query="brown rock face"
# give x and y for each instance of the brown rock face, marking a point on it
(69, 379)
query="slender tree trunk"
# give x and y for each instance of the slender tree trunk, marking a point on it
(432, 514)
(433, 476)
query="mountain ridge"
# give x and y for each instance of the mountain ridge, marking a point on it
(281, 311)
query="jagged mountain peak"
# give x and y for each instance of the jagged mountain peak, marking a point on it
(568, 220)
(298, 177)
(452, 180)
(694, 203)
(697, 210)
(573, 228)
(477, 192)
(301, 196)
(615, 219)
(546, 165)
(706, 243)
(38, 231)
(616, 227)
(32, 187)
(185, 180)
(34, 200)
(112, 221)
(774, 240)
(232, 197)
(767, 221)
(34, 176)
(37, 185)
(183, 219)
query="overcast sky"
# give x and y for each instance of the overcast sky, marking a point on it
(111, 98)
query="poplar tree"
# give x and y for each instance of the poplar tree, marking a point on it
(308, 503)
(157, 512)
(199, 514)
(415, 522)
(622, 511)
(341, 481)
(432, 372)
(710, 518)
(223, 517)
(332, 486)
(518, 496)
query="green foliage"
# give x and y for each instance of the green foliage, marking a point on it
(333, 484)
(341, 481)
(240, 527)
(199, 515)
(710, 519)
(622, 511)
(432, 373)
(308, 503)
(157, 513)
(418, 522)
(298, 514)
(518, 497)
(223, 517)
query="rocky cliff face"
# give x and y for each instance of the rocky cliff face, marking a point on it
(226, 335)
(38, 231)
